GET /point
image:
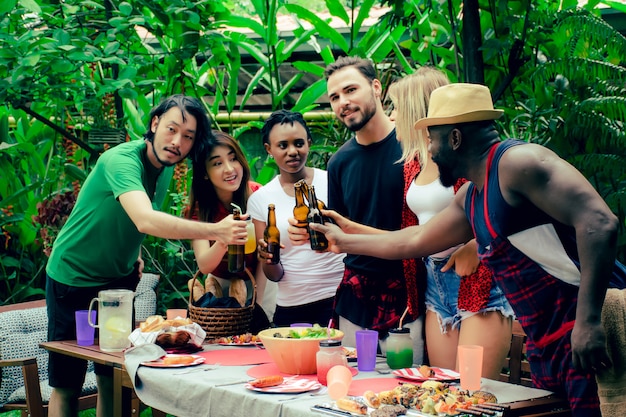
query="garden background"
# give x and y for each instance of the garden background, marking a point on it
(77, 77)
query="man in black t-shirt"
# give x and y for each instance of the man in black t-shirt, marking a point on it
(366, 185)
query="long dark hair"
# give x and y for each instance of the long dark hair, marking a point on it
(187, 105)
(203, 200)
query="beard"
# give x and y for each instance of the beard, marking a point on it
(368, 112)
(156, 156)
(446, 162)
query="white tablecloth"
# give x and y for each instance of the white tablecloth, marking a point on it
(194, 392)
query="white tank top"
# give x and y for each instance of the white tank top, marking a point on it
(426, 201)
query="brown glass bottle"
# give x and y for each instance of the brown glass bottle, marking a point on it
(236, 256)
(272, 235)
(301, 210)
(317, 239)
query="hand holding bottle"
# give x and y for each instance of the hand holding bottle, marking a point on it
(298, 235)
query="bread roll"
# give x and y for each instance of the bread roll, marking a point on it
(268, 381)
(152, 324)
(213, 286)
(353, 406)
(197, 291)
(173, 339)
(238, 291)
(178, 360)
(371, 399)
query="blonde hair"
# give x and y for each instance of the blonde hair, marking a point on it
(410, 97)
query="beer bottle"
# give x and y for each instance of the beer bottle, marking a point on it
(272, 234)
(301, 210)
(318, 240)
(236, 257)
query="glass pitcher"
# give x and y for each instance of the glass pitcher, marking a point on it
(115, 319)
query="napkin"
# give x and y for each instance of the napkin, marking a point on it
(133, 358)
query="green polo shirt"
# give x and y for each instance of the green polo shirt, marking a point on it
(99, 243)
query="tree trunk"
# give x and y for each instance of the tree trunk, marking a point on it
(473, 65)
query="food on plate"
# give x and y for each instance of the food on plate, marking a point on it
(351, 405)
(151, 324)
(240, 339)
(349, 352)
(213, 286)
(195, 289)
(426, 371)
(486, 396)
(389, 411)
(371, 399)
(433, 397)
(157, 323)
(267, 381)
(178, 360)
(238, 291)
(173, 339)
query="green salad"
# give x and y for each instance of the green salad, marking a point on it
(315, 332)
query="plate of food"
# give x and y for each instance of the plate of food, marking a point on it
(350, 353)
(277, 384)
(246, 339)
(175, 361)
(426, 373)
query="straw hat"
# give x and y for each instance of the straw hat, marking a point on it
(459, 103)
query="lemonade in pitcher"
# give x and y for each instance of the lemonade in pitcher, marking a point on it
(115, 316)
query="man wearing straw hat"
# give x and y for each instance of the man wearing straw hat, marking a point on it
(540, 226)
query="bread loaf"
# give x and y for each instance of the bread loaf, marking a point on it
(197, 291)
(238, 291)
(173, 339)
(213, 286)
(152, 324)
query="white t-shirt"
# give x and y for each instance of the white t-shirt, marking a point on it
(426, 201)
(309, 276)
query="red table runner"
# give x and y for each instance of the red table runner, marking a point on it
(238, 356)
(268, 369)
(359, 386)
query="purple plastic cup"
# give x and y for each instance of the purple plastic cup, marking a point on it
(84, 332)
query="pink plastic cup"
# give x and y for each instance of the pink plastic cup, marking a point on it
(470, 366)
(173, 313)
(339, 378)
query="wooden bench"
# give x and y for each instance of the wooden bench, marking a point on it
(516, 370)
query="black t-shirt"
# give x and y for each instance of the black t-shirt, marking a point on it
(366, 184)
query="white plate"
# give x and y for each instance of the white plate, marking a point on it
(350, 353)
(415, 375)
(159, 363)
(289, 386)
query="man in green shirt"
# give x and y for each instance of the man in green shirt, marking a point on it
(100, 245)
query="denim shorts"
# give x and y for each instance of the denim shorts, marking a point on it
(442, 295)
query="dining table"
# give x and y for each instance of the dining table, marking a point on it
(217, 386)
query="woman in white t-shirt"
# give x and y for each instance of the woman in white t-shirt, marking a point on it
(306, 280)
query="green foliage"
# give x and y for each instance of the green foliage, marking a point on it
(67, 67)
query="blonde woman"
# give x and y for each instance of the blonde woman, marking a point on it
(463, 305)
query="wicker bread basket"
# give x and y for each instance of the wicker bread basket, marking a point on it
(223, 321)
